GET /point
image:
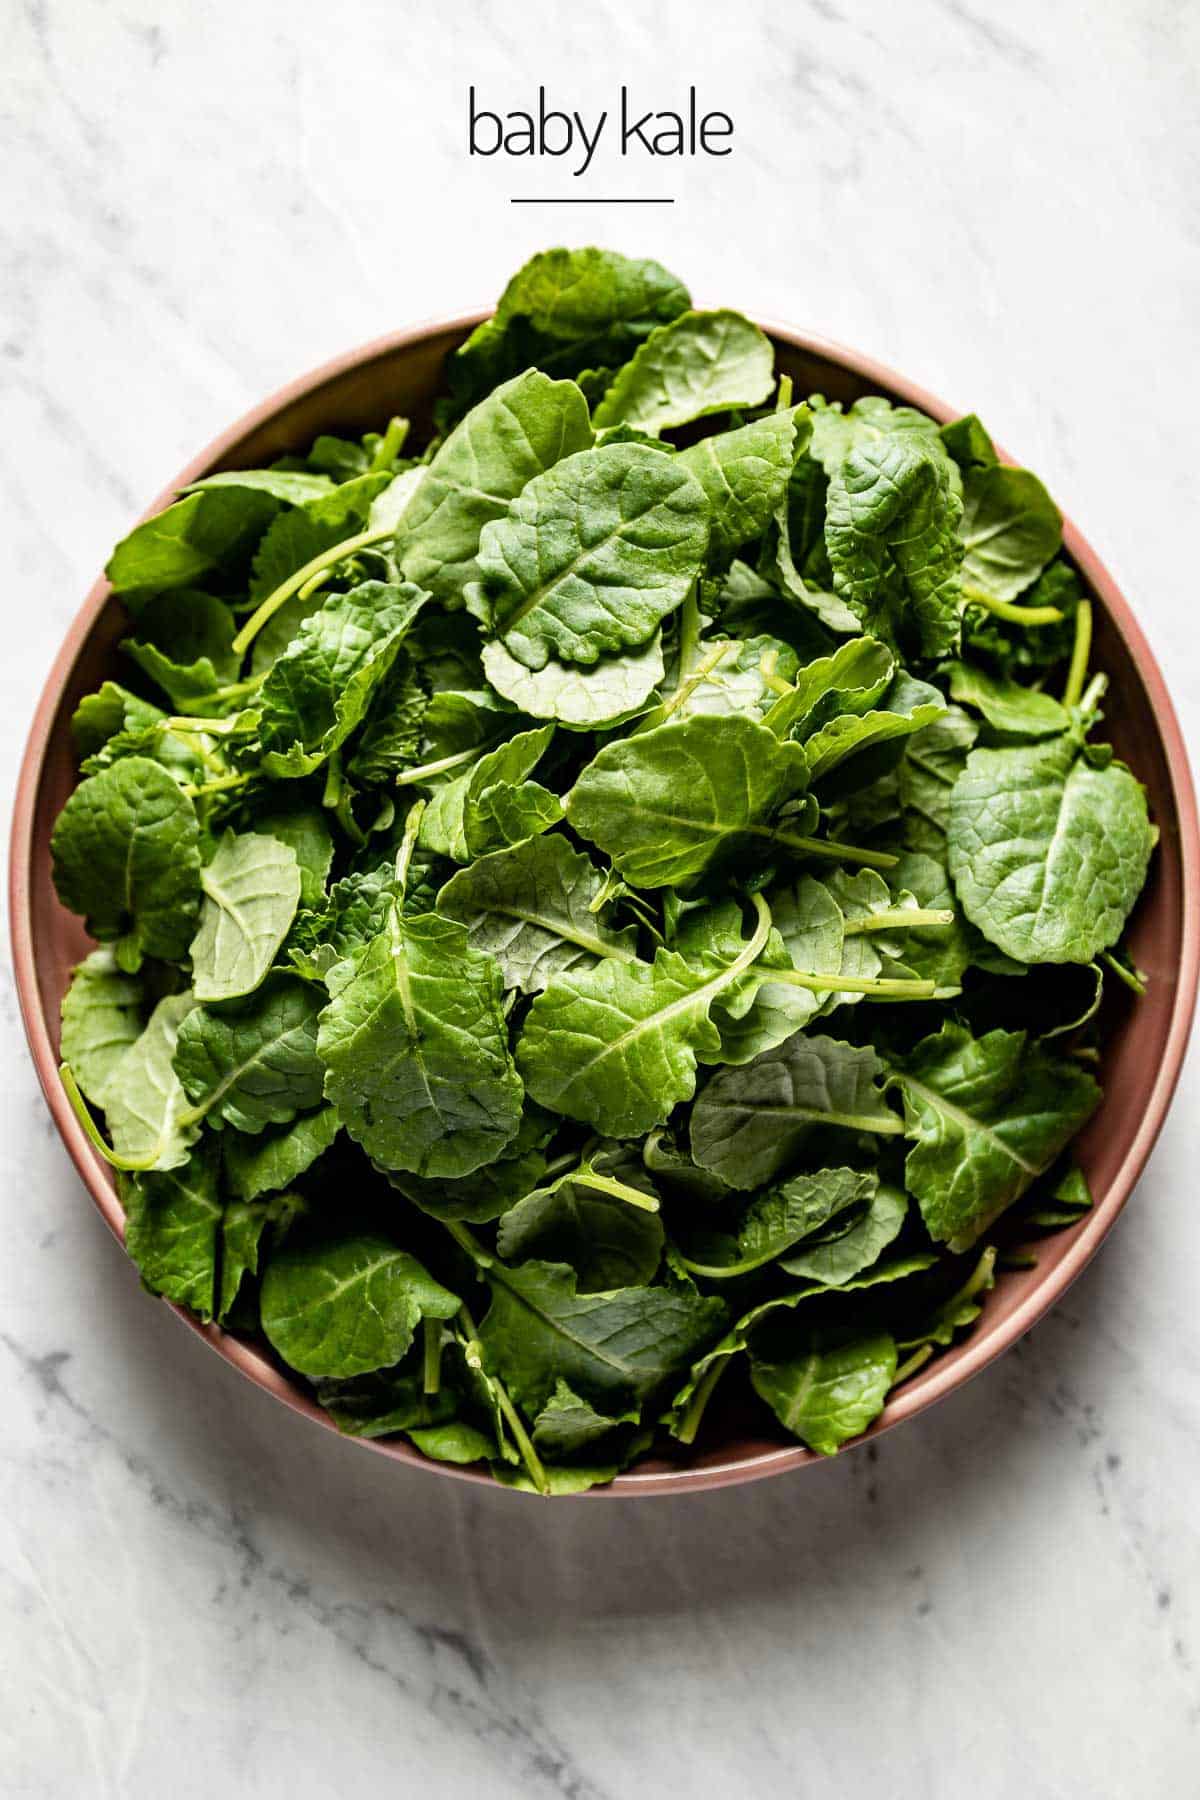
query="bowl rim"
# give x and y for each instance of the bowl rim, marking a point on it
(945, 1375)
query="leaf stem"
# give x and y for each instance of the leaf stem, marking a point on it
(754, 948)
(79, 1106)
(567, 1161)
(607, 1184)
(466, 1240)
(473, 1352)
(326, 560)
(766, 669)
(1016, 615)
(459, 760)
(188, 722)
(689, 630)
(684, 691)
(1093, 693)
(911, 1364)
(233, 691)
(314, 584)
(978, 1281)
(690, 1422)
(831, 851)
(516, 1425)
(223, 783)
(412, 826)
(1133, 978)
(845, 984)
(898, 918)
(1081, 651)
(391, 446)
(431, 1332)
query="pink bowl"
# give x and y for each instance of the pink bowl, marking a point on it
(401, 374)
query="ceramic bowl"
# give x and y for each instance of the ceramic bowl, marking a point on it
(402, 374)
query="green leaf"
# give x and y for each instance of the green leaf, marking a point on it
(266, 1164)
(110, 712)
(356, 911)
(938, 953)
(870, 423)
(727, 675)
(956, 1313)
(806, 934)
(457, 720)
(892, 536)
(293, 486)
(184, 643)
(778, 1219)
(701, 363)
(201, 533)
(850, 680)
(688, 1405)
(1011, 529)
(565, 310)
(294, 539)
(144, 1102)
(306, 831)
(839, 1261)
(800, 564)
(345, 1307)
(453, 1442)
(610, 1348)
(320, 686)
(968, 443)
(416, 1052)
(489, 1191)
(560, 1479)
(101, 1019)
(617, 1045)
(567, 1426)
(253, 1062)
(744, 474)
(748, 605)
(750, 1123)
(392, 735)
(518, 431)
(592, 555)
(1005, 704)
(530, 907)
(986, 1116)
(608, 1242)
(1048, 852)
(933, 760)
(462, 820)
(860, 898)
(384, 1402)
(612, 690)
(823, 1391)
(906, 707)
(173, 1230)
(244, 1227)
(126, 854)
(688, 799)
(251, 891)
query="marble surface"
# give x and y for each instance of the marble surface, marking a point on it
(198, 1593)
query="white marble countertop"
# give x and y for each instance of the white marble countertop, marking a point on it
(199, 1593)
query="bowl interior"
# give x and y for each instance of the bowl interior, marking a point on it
(1146, 1042)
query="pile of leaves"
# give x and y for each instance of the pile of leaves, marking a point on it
(616, 901)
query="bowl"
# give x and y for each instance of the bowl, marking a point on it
(401, 373)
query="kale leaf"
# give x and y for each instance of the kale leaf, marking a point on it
(568, 892)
